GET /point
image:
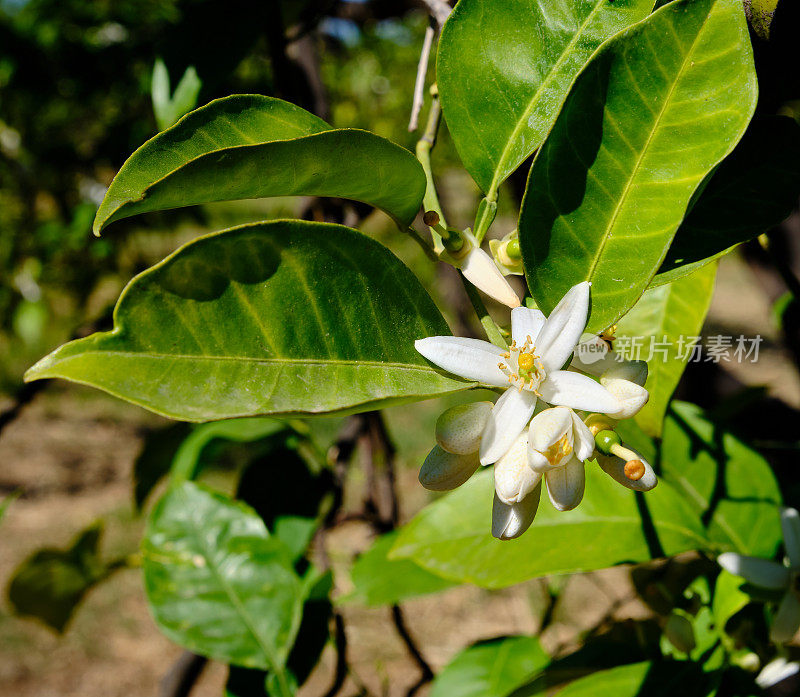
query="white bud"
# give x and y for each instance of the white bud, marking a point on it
(481, 271)
(459, 429)
(614, 466)
(511, 520)
(443, 471)
(513, 479)
(631, 395)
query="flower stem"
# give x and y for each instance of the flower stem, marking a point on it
(424, 146)
(493, 332)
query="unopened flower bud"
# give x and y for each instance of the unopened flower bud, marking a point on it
(459, 429)
(443, 471)
(680, 633)
(511, 520)
(507, 254)
(513, 479)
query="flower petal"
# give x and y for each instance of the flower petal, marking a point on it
(592, 355)
(760, 572)
(787, 619)
(508, 419)
(548, 427)
(631, 397)
(634, 371)
(563, 328)
(513, 479)
(790, 522)
(459, 429)
(582, 438)
(569, 389)
(443, 471)
(526, 323)
(481, 271)
(614, 467)
(566, 484)
(471, 359)
(511, 520)
(776, 671)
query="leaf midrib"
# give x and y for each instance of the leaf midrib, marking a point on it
(252, 359)
(506, 152)
(648, 143)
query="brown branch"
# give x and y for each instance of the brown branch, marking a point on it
(180, 679)
(425, 669)
(419, 84)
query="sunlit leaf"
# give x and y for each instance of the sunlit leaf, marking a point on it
(658, 107)
(726, 482)
(661, 329)
(491, 669)
(217, 583)
(452, 538)
(378, 580)
(273, 318)
(250, 146)
(504, 69)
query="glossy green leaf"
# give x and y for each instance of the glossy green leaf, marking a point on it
(658, 107)
(491, 669)
(51, 583)
(272, 318)
(378, 580)
(452, 536)
(250, 146)
(649, 679)
(661, 329)
(504, 69)
(726, 482)
(217, 583)
(754, 189)
(728, 598)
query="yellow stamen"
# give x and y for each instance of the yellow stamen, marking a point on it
(558, 451)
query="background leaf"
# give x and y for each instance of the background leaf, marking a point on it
(656, 109)
(451, 537)
(217, 583)
(491, 669)
(379, 580)
(663, 323)
(504, 69)
(168, 107)
(272, 318)
(51, 583)
(249, 146)
(726, 482)
(755, 188)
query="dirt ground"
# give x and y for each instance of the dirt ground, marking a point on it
(71, 453)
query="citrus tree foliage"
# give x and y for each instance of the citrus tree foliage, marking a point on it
(647, 166)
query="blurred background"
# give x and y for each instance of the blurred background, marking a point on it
(85, 82)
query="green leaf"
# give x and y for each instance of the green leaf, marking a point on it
(728, 598)
(726, 482)
(658, 107)
(656, 679)
(504, 69)
(379, 580)
(217, 583)
(491, 669)
(755, 188)
(50, 584)
(283, 317)
(664, 323)
(249, 146)
(452, 538)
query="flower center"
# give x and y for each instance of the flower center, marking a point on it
(559, 450)
(522, 366)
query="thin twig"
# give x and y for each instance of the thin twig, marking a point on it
(439, 10)
(493, 332)
(419, 85)
(425, 669)
(340, 641)
(180, 679)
